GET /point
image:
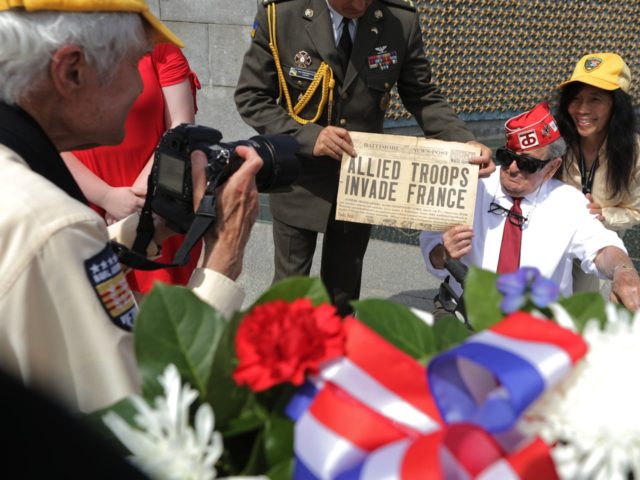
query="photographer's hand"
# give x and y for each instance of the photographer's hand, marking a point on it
(237, 210)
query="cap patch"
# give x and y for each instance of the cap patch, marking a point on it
(111, 287)
(528, 139)
(592, 63)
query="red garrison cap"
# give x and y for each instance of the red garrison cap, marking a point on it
(533, 129)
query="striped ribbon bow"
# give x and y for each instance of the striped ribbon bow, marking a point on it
(375, 414)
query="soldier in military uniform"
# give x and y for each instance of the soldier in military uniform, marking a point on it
(294, 80)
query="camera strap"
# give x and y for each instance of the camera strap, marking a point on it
(136, 256)
(205, 217)
(146, 228)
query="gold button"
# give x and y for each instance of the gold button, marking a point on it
(345, 95)
(386, 85)
(343, 121)
(299, 82)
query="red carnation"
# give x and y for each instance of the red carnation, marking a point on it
(280, 342)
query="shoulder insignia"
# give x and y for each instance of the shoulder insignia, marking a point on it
(115, 296)
(406, 4)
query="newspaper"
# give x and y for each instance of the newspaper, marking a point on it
(407, 182)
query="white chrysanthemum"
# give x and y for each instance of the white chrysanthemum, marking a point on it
(593, 417)
(165, 446)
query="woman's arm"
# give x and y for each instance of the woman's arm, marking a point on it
(93, 187)
(178, 108)
(118, 202)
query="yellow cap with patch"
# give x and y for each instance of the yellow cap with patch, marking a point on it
(161, 34)
(603, 70)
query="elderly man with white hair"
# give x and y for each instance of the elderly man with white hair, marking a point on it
(68, 77)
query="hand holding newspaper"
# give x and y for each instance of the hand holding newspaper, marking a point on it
(407, 182)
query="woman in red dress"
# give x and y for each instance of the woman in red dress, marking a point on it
(114, 178)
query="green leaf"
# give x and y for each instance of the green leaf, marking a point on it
(248, 421)
(225, 396)
(585, 306)
(175, 326)
(449, 331)
(243, 455)
(293, 288)
(281, 471)
(482, 299)
(278, 440)
(256, 461)
(398, 325)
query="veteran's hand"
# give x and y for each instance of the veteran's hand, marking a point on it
(625, 288)
(484, 161)
(333, 142)
(236, 208)
(457, 241)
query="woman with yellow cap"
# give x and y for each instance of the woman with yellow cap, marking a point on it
(596, 118)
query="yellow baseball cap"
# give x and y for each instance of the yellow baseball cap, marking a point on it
(161, 34)
(603, 70)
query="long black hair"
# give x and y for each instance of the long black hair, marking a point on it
(622, 147)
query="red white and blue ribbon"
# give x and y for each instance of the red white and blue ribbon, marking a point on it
(374, 396)
(459, 451)
(493, 377)
(376, 416)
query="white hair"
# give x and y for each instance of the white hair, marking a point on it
(557, 149)
(29, 39)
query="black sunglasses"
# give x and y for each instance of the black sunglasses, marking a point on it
(525, 163)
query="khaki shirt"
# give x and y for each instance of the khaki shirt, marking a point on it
(56, 332)
(620, 212)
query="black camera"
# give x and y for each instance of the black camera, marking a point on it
(170, 183)
(170, 186)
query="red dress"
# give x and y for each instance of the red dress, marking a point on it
(120, 165)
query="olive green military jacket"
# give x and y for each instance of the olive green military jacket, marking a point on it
(387, 50)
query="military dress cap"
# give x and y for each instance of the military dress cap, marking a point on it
(161, 34)
(532, 129)
(602, 70)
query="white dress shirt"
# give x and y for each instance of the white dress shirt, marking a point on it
(336, 22)
(558, 229)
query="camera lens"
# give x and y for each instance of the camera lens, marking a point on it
(281, 166)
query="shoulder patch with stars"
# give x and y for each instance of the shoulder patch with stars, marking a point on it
(406, 4)
(106, 278)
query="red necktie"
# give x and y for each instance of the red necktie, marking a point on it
(509, 259)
